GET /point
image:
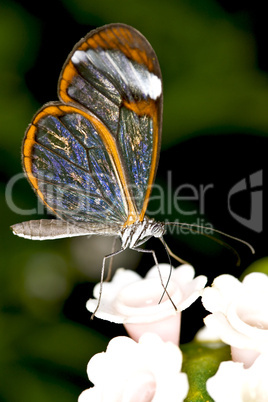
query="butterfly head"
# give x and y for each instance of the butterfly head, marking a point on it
(134, 235)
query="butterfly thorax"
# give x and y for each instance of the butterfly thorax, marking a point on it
(134, 235)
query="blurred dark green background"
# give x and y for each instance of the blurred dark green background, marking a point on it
(213, 56)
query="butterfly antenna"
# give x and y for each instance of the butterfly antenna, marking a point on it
(171, 254)
(224, 244)
(193, 226)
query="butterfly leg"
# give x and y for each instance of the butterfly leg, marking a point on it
(109, 273)
(142, 250)
(102, 277)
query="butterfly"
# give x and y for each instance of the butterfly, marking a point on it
(92, 156)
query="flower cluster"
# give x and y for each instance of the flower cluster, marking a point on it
(147, 366)
(149, 370)
(240, 319)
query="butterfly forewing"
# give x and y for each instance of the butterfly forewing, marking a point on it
(93, 157)
(70, 168)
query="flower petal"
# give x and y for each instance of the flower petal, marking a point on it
(234, 383)
(239, 314)
(135, 302)
(128, 371)
(227, 383)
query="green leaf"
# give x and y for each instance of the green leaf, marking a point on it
(200, 362)
(260, 265)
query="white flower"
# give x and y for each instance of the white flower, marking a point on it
(239, 314)
(208, 335)
(133, 301)
(234, 383)
(128, 371)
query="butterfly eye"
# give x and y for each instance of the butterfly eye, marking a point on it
(158, 229)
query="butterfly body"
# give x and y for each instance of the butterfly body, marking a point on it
(131, 236)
